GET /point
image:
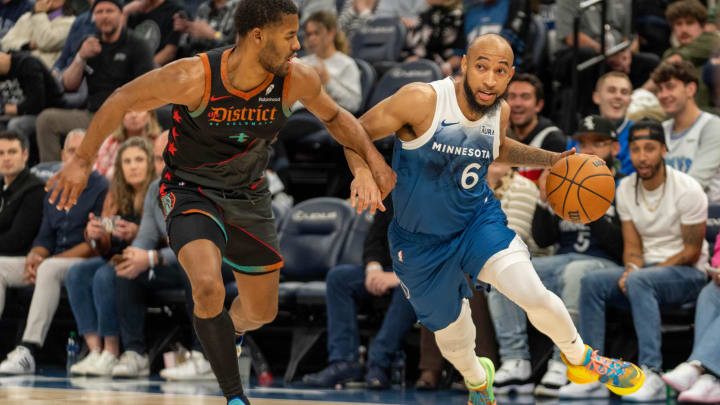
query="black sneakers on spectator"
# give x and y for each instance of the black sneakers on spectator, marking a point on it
(339, 372)
(377, 377)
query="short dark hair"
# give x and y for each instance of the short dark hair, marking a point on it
(14, 136)
(686, 9)
(533, 80)
(251, 14)
(683, 71)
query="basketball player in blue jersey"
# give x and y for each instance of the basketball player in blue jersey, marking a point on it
(228, 106)
(447, 222)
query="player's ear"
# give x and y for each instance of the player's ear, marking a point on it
(256, 35)
(463, 64)
(512, 73)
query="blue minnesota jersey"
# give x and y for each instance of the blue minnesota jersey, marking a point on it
(441, 183)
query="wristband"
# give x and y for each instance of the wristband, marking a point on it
(373, 267)
(151, 259)
(633, 266)
(79, 58)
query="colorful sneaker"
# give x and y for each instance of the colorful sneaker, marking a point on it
(483, 395)
(621, 377)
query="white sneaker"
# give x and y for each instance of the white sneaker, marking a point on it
(196, 367)
(706, 391)
(130, 365)
(103, 365)
(514, 376)
(652, 390)
(554, 378)
(81, 367)
(682, 377)
(584, 391)
(18, 361)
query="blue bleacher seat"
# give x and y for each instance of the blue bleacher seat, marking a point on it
(422, 70)
(713, 225)
(367, 82)
(311, 237)
(379, 42)
(352, 251)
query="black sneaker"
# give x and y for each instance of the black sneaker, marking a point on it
(339, 372)
(377, 377)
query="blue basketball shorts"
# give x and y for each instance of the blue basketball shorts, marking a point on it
(432, 269)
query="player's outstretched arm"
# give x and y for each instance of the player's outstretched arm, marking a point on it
(517, 153)
(181, 82)
(343, 126)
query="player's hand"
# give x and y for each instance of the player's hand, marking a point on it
(560, 156)
(135, 263)
(383, 174)
(364, 194)
(541, 184)
(90, 48)
(68, 183)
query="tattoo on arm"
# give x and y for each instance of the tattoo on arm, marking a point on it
(519, 154)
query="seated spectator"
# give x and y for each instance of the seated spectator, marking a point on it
(338, 72)
(36, 82)
(612, 95)
(91, 283)
(58, 246)
(525, 96)
(696, 380)
(81, 28)
(580, 248)
(153, 21)
(21, 198)
(687, 19)
(135, 123)
(348, 283)
(212, 27)
(692, 136)
(357, 13)
(107, 62)
(637, 66)
(10, 12)
(43, 31)
(512, 19)
(651, 27)
(439, 36)
(663, 213)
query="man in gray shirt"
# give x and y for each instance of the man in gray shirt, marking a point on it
(692, 136)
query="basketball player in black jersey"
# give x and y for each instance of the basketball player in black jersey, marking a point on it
(229, 105)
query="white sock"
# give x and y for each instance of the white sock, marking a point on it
(457, 344)
(574, 350)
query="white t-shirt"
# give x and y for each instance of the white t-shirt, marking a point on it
(344, 85)
(683, 203)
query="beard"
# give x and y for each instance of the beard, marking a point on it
(268, 60)
(654, 171)
(474, 105)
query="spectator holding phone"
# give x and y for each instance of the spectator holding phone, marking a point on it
(91, 284)
(696, 379)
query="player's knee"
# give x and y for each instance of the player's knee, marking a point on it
(459, 334)
(208, 292)
(263, 314)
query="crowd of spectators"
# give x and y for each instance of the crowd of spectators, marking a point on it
(648, 109)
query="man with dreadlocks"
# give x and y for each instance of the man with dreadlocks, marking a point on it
(663, 213)
(228, 106)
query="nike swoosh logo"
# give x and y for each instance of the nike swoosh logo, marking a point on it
(445, 124)
(213, 99)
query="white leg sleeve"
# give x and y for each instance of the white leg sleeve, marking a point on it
(512, 273)
(457, 345)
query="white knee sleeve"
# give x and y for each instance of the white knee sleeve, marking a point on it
(457, 344)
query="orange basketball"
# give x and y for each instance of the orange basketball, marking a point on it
(580, 188)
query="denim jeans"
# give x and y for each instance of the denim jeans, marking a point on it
(560, 274)
(91, 291)
(345, 285)
(707, 328)
(648, 290)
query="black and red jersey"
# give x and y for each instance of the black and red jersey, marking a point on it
(225, 143)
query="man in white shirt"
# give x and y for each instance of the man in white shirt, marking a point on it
(692, 136)
(663, 213)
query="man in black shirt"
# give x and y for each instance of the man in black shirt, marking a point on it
(152, 20)
(21, 197)
(107, 61)
(39, 87)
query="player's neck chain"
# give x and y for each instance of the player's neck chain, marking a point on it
(659, 201)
